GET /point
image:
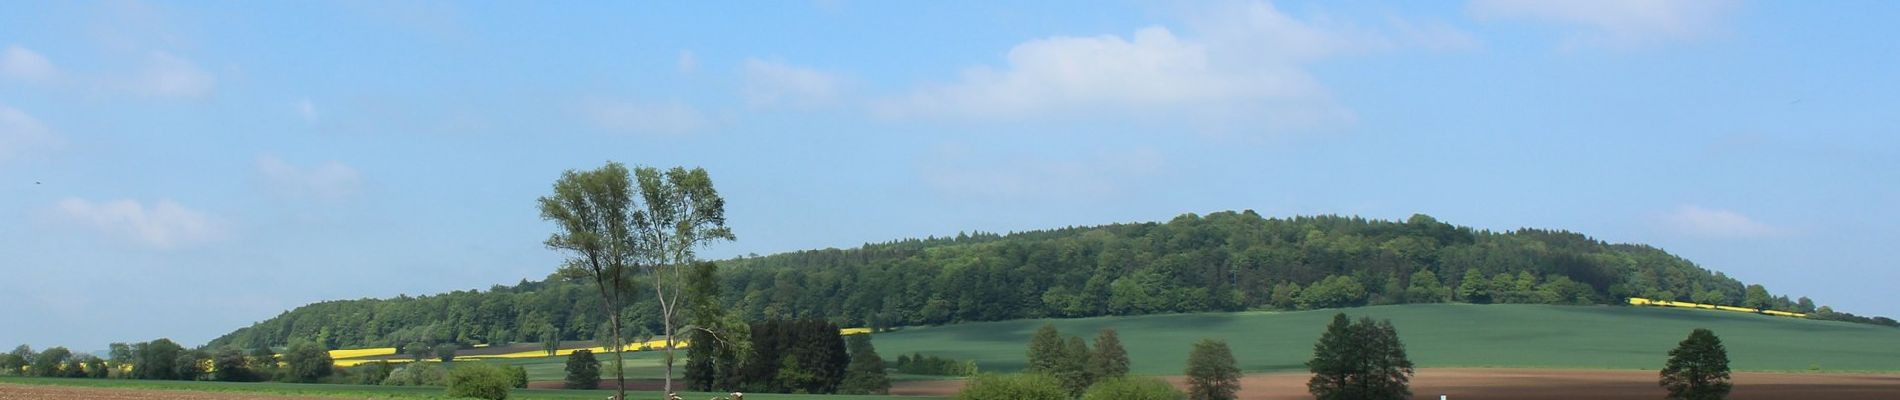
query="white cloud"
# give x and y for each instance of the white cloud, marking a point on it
(167, 75)
(163, 225)
(307, 110)
(327, 181)
(22, 64)
(666, 118)
(1239, 64)
(1713, 223)
(688, 62)
(1615, 22)
(768, 83)
(21, 135)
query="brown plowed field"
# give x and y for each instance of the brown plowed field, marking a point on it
(39, 392)
(1500, 383)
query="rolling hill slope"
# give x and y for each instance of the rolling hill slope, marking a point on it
(1223, 261)
(1441, 335)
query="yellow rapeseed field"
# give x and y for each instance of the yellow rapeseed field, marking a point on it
(354, 357)
(1638, 301)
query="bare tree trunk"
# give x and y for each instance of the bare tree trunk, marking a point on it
(620, 365)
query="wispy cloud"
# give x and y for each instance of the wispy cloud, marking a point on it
(21, 135)
(163, 225)
(1715, 223)
(645, 118)
(1615, 22)
(326, 181)
(1242, 63)
(167, 75)
(22, 64)
(307, 110)
(688, 62)
(771, 83)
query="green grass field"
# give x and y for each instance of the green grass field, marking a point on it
(640, 365)
(1442, 335)
(380, 392)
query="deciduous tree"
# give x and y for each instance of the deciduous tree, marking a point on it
(1697, 368)
(1212, 372)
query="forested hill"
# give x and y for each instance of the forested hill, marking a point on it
(1220, 261)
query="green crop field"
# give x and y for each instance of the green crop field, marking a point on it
(640, 365)
(377, 392)
(1442, 335)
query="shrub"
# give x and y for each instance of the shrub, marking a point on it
(519, 375)
(583, 371)
(416, 374)
(1014, 387)
(481, 381)
(446, 351)
(1133, 389)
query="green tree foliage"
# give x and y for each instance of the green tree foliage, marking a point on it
(720, 340)
(1334, 291)
(419, 374)
(1109, 360)
(795, 357)
(11, 364)
(1285, 296)
(189, 366)
(1072, 371)
(1068, 272)
(614, 231)
(96, 367)
(1426, 288)
(229, 364)
(1046, 350)
(1212, 372)
(920, 364)
(517, 376)
(1363, 360)
(1757, 296)
(48, 362)
(374, 373)
(865, 374)
(1697, 368)
(307, 362)
(480, 381)
(1014, 387)
(1124, 388)
(418, 351)
(446, 351)
(263, 363)
(156, 359)
(583, 371)
(595, 212)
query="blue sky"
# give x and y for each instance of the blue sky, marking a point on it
(185, 169)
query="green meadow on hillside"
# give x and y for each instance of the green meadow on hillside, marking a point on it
(1442, 335)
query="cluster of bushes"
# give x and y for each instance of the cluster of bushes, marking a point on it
(54, 362)
(782, 357)
(163, 359)
(1362, 360)
(920, 364)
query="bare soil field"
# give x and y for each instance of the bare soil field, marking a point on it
(40, 392)
(1502, 383)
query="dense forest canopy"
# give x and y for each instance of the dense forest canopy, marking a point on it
(1216, 262)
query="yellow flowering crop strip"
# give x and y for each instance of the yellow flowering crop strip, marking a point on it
(359, 353)
(1638, 301)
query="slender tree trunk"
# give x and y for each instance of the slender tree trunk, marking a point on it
(620, 365)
